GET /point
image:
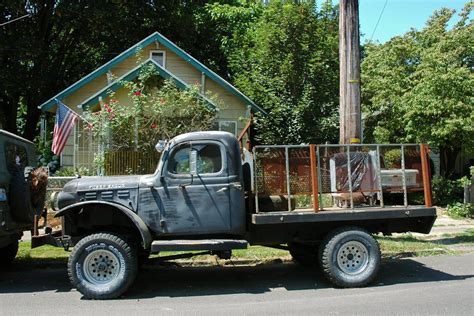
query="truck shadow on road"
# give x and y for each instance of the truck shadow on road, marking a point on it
(175, 281)
(171, 280)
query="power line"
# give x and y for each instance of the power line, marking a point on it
(11, 21)
(380, 16)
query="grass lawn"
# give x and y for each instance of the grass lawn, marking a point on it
(400, 245)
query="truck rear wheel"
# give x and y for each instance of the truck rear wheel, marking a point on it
(304, 254)
(102, 266)
(8, 253)
(350, 257)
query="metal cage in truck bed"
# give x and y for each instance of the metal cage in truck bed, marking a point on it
(327, 183)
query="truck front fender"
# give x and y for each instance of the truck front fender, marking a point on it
(140, 225)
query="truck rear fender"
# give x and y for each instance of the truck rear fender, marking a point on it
(137, 222)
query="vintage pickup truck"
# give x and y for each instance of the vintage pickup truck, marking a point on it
(207, 194)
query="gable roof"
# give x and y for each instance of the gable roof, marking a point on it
(132, 50)
(132, 74)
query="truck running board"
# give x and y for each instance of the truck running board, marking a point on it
(191, 245)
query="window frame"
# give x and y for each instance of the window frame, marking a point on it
(166, 172)
(228, 121)
(159, 51)
(7, 165)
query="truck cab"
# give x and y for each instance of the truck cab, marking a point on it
(196, 189)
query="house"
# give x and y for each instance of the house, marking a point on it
(172, 63)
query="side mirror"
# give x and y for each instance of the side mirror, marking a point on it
(160, 146)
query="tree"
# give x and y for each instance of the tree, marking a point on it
(284, 56)
(63, 41)
(418, 87)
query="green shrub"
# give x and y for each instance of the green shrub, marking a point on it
(446, 191)
(392, 158)
(460, 210)
(71, 172)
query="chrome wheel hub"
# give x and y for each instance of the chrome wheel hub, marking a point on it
(101, 267)
(353, 257)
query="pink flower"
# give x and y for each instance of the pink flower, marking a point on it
(137, 93)
(153, 126)
(107, 108)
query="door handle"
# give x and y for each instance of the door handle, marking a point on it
(222, 189)
(237, 185)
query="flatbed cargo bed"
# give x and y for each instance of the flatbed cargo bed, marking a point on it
(338, 214)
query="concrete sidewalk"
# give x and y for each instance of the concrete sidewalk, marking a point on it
(447, 225)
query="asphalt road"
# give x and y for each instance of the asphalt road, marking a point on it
(441, 285)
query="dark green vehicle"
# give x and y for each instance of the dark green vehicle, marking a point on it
(16, 212)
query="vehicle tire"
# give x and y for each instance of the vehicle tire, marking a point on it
(8, 253)
(304, 254)
(350, 257)
(102, 266)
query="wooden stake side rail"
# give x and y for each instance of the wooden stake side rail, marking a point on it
(314, 177)
(315, 167)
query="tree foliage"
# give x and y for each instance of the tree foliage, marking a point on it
(419, 87)
(63, 41)
(284, 56)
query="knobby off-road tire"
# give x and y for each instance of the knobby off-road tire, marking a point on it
(350, 257)
(102, 266)
(304, 254)
(8, 253)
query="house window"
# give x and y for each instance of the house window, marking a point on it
(228, 126)
(159, 56)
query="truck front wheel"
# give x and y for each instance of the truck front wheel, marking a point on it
(8, 253)
(350, 257)
(102, 266)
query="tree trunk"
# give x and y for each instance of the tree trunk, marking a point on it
(448, 156)
(349, 68)
(9, 113)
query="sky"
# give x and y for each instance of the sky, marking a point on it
(398, 16)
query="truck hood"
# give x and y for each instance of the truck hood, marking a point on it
(106, 183)
(117, 189)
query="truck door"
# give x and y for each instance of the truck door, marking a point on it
(195, 189)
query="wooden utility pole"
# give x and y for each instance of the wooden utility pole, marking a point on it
(349, 70)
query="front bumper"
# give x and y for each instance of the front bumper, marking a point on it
(55, 238)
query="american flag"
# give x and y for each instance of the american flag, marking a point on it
(65, 120)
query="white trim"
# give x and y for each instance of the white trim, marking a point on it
(74, 146)
(159, 51)
(227, 121)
